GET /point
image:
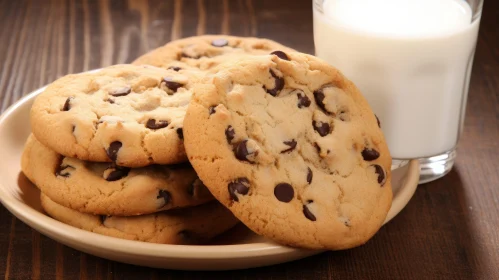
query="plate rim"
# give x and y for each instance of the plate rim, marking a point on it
(63, 232)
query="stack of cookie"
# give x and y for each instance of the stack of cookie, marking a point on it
(205, 132)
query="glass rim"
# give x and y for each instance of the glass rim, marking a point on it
(317, 8)
(476, 9)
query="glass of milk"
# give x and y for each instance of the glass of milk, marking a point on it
(412, 61)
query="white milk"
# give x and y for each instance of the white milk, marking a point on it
(410, 58)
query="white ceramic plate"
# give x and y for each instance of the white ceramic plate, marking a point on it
(239, 248)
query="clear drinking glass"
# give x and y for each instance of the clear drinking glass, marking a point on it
(412, 61)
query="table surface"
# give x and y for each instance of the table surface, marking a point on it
(449, 230)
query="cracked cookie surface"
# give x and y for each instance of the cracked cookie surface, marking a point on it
(127, 114)
(207, 51)
(189, 226)
(107, 189)
(293, 149)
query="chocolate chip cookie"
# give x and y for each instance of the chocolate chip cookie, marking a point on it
(127, 114)
(207, 51)
(109, 189)
(188, 226)
(292, 148)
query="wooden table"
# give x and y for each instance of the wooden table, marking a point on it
(449, 230)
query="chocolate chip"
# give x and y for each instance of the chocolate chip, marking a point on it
(195, 185)
(110, 100)
(321, 127)
(381, 174)
(171, 84)
(238, 186)
(279, 84)
(292, 145)
(219, 42)
(310, 175)
(379, 124)
(212, 110)
(280, 54)
(241, 151)
(153, 124)
(180, 133)
(64, 170)
(303, 100)
(165, 195)
(103, 218)
(67, 104)
(175, 68)
(117, 173)
(284, 192)
(308, 214)
(230, 133)
(112, 151)
(121, 91)
(370, 154)
(319, 99)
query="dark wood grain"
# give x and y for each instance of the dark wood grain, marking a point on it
(449, 230)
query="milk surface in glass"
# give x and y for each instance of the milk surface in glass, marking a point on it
(410, 58)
